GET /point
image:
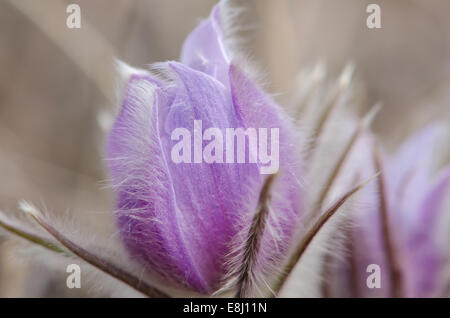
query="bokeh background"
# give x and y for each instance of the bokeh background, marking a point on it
(54, 83)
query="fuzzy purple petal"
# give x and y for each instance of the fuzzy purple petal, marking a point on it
(425, 256)
(413, 211)
(181, 220)
(368, 246)
(204, 49)
(255, 109)
(147, 214)
(409, 174)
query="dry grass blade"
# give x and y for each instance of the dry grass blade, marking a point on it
(92, 259)
(253, 243)
(307, 239)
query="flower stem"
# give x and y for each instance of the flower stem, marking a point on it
(96, 261)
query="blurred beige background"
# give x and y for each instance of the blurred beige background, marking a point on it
(54, 81)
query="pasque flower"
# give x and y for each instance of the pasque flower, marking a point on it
(399, 225)
(194, 221)
(214, 227)
(215, 220)
(181, 220)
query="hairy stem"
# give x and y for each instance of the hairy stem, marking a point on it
(253, 242)
(394, 265)
(362, 126)
(33, 238)
(307, 239)
(331, 105)
(101, 264)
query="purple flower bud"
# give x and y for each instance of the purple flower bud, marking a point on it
(397, 226)
(182, 219)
